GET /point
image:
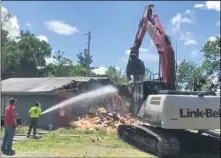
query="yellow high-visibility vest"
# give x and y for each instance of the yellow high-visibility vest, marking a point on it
(35, 112)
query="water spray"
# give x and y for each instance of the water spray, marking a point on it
(86, 97)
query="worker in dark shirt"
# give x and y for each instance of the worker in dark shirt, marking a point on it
(35, 113)
(10, 125)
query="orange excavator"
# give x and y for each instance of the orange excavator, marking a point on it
(135, 67)
(165, 115)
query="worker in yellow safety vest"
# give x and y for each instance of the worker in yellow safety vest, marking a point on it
(34, 113)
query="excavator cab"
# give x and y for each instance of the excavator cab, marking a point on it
(141, 90)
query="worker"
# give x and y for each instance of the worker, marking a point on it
(35, 113)
(10, 124)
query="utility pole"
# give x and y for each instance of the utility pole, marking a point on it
(88, 51)
(176, 56)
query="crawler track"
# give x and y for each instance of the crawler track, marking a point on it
(169, 143)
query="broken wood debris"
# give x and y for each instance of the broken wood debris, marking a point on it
(102, 121)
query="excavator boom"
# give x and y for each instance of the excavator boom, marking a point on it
(150, 23)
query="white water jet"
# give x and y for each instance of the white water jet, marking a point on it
(86, 97)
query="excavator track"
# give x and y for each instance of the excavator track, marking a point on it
(169, 143)
(150, 140)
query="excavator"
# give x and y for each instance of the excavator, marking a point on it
(168, 117)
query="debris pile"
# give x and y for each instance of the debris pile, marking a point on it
(102, 121)
(113, 104)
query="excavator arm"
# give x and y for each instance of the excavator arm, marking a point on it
(150, 23)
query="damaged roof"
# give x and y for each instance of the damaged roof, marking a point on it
(43, 84)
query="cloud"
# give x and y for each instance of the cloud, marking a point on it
(42, 38)
(28, 25)
(100, 70)
(190, 42)
(144, 55)
(187, 37)
(218, 23)
(213, 5)
(213, 38)
(61, 28)
(194, 53)
(209, 5)
(179, 19)
(188, 11)
(178, 62)
(199, 6)
(11, 25)
(49, 60)
(140, 50)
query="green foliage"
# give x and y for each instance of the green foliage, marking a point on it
(148, 72)
(60, 67)
(32, 54)
(187, 71)
(78, 70)
(23, 58)
(26, 57)
(9, 59)
(211, 63)
(4, 33)
(83, 59)
(116, 75)
(64, 67)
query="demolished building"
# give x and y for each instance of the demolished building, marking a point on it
(49, 91)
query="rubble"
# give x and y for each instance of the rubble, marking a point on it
(102, 121)
(117, 103)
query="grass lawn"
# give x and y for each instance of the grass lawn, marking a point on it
(75, 143)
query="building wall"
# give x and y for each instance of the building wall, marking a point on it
(25, 102)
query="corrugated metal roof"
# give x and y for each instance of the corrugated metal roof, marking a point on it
(40, 84)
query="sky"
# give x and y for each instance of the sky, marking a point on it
(113, 26)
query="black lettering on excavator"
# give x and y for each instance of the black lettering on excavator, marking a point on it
(207, 113)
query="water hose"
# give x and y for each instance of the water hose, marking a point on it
(22, 125)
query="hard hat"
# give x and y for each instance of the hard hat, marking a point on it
(37, 103)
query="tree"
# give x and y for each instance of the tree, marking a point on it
(148, 72)
(24, 58)
(116, 76)
(9, 31)
(61, 66)
(32, 54)
(187, 71)
(211, 63)
(64, 67)
(4, 33)
(78, 70)
(83, 59)
(9, 60)
(9, 50)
